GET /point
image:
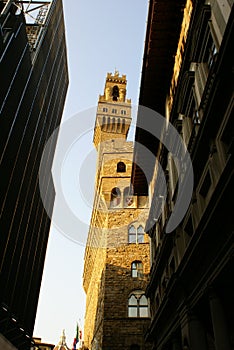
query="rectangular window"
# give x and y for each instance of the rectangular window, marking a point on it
(132, 238)
(132, 311)
(210, 51)
(143, 311)
(140, 238)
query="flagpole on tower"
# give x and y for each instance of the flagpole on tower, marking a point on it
(76, 339)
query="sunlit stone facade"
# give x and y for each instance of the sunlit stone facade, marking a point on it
(117, 252)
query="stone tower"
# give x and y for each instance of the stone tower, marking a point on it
(117, 253)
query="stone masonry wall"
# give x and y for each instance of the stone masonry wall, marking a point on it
(108, 280)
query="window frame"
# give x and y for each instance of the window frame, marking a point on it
(132, 234)
(137, 234)
(137, 307)
(137, 269)
(115, 197)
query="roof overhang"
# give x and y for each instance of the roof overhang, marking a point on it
(162, 36)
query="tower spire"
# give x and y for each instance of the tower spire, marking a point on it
(62, 345)
(62, 340)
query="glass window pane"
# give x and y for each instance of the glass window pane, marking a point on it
(143, 300)
(140, 269)
(140, 234)
(132, 311)
(132, 238)
(134, 269)
(143, 311)
(140, 238)
(132, 300)
(132, 229)
(139, 266)
(140, 229)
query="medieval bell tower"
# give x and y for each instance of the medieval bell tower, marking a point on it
(117, 252)
(113, 111)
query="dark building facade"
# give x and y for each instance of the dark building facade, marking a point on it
(34, 80)
(187, 76)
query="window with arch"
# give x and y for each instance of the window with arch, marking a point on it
(123, 126)
(115, 197)
(137, 304)
(118, 125)
(140, 234)
(105, 109)
(135, 234)
(121, 167)
(128, 198)
(114, 110)
(137, 269)
(123, 112)
(115, 93)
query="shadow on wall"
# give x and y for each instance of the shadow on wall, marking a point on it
(122, 313)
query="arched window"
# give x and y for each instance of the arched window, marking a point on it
(104, 123)
(135, 234)
(121, 167)
(118, 125)
(113, 125)
(115, 93)
(140, 234)
(115, 197)
(123, 126)
(108, 124)
(131, 234)
(137, 269)
(143, 306)
(128, 199)
(137, 304)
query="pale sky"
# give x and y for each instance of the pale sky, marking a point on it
(101, 36)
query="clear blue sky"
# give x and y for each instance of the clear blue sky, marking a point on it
(101, 36)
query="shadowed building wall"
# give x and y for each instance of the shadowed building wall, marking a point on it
(34, 80)
(189, 47)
